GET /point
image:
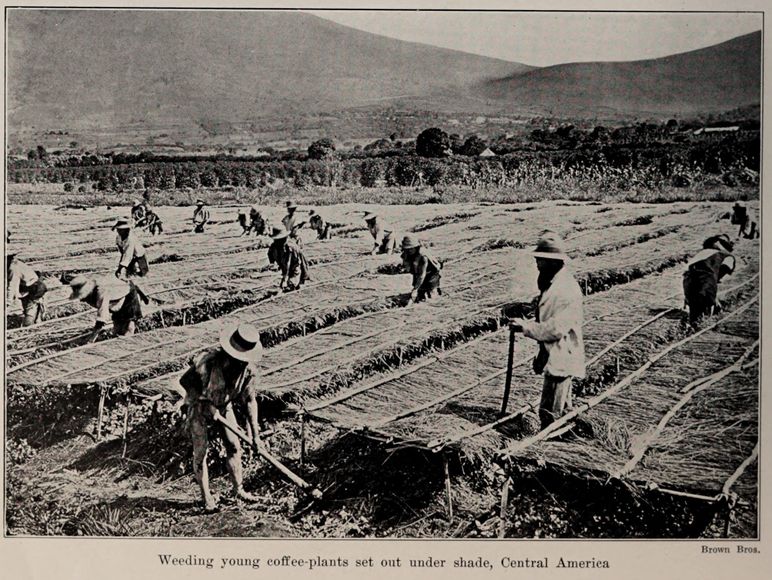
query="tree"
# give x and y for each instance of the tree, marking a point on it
(321, 149)
(433, 142)
(473, 146)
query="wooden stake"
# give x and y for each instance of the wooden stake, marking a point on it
(100, 411)
(302, 438)
(510, 366)
(448, 490)
(126, 423)
(503, 507)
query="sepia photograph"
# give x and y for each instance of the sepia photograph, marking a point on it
(382, 274)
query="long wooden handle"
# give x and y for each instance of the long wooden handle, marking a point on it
(297, 480)
(510, 365)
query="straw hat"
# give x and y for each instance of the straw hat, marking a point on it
(408, 243)
(81, 286)
(719, 242)
(242, 342)
(369, 216)
(312, 212)
(279, 232)
(200, 202)
(122, 224)
(551, 247)
(291, 205)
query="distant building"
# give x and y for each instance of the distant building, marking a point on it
(487, 153)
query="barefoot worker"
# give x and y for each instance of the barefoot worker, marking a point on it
(218, 378)
(425, 270)
(384, 238)
(200, 217)
(557, 328)
(133, 261)
(26, 286)
(321, 227)
(115, 300)
(703, 273)
(290, 258)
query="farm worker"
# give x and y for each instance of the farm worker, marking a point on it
(26, 286)
(290, 221)
(290, 258)
(385, 239)
(557, 328)
(218, 378)
(425, 270)
(748, 227)
(200, 216)
(242, 219)
(133, 260)
(153, 223)
(321, 227)
(257, 223)
(138, 213)
(116, 300)
(703, 273)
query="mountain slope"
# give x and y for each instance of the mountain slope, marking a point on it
(91, 68)
(719, 77)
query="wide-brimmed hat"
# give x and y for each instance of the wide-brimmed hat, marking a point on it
(242, 342)
(311, 212)
(291, 205)
(81, 286)
(369, 216)
(135, 203)
(408, 243)
(279, 233)
(719, 242)
(200, 202)
(122, 225)
(551, 247)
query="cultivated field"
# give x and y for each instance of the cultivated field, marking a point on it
(392, 412)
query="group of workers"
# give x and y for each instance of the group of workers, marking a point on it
(228, 373)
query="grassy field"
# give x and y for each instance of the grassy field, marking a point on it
(386, 394)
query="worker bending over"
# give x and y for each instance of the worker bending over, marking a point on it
(290, 258)
(385, 239)
(557, 328)
(216, 380)
(26, 286)
(133, 261)
(703, 273)
(424, 268)
(322, 228)
(115, 300)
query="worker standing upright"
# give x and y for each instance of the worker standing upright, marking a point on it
(557, 328)
(290, 258)
(139, 213)
(133, 261)
(26, 286)
(703, 274)
(424, 268)
(384, 238)
(292, 223)
(216, 380)
(200, 216)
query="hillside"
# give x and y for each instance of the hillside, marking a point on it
(81, 69)
(719, 77)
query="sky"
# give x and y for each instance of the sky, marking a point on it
(547, 38)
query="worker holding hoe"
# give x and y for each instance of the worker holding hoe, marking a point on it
(114, 299)
(384, 239)
(425, 269)
(288, 256)
(703, 273)
(216, 380)
(557, 328)
(27, 287)
(133, 261)
(200, 216)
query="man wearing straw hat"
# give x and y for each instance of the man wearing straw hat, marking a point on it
(291, 223)
(200, 216)
(27, 287)
(115, 300)
(703, 273)
(385, 240)
(218, 378)
(290, 258)
(557, 328)
(133, 261)
(425, 270)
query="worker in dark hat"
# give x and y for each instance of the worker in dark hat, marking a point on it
(290, 258)
(116, 301)
(26, 286)
(292, 223)
(133, 261)
(218, 379)
(257, 223)
(424, 268)
(319, 225)
(384, 238)
(703, 273)
(557, 328)
(200, 216)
